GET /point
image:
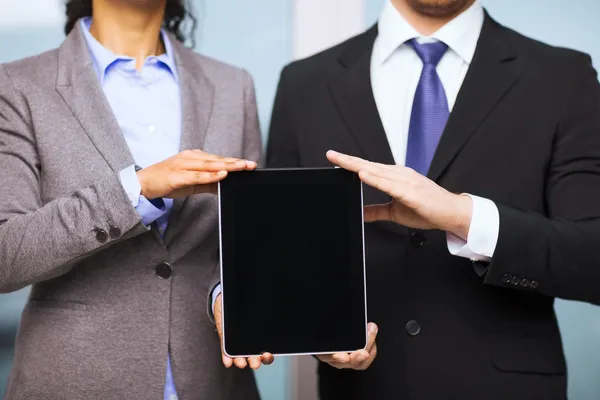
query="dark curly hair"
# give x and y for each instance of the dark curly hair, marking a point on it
(176, 14)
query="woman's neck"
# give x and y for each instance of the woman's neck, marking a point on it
(129, 30)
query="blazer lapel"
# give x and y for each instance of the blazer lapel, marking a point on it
(490, 77)
(197, 98)
(80, 89)
(353, 95)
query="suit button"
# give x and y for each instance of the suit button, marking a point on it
(114, 232)
(413, 328)
(101, 235)
(534, 284)
(417, 239)
(524, 283)
(506, 278)
(515, 281)
(164, 270)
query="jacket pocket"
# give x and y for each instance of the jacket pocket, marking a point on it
(527, 354)
(57, 304)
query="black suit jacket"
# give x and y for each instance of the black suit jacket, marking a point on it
(525, 133)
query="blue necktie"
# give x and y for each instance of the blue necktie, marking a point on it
(430, 109)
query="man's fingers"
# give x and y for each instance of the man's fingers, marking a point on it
(379, 175)
(350, 163)
(326, 358)
(385, 185)
(341, 357)
(371, 339)
(334, 358)
(358, 357)
(380, 212)
(367, 363)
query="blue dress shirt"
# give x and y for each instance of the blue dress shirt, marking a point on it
(147, 106)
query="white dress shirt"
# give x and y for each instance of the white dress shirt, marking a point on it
(395, 72)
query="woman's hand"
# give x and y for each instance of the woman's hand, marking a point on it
(189, 172)
(240, 362)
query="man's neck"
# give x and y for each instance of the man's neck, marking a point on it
(128, 30)
(424, 24)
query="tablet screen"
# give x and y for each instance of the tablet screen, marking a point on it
(292, 262)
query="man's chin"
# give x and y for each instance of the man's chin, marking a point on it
(439, 8)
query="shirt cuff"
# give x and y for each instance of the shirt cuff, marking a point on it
(483, 232)
(216, 292)
(147, 210)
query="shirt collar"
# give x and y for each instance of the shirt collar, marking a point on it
(102, 58)
(461, 34)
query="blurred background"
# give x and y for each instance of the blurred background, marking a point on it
(264, 35)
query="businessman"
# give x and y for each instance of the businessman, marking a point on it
(489, 144)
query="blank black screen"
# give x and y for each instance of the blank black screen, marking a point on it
(292, 262)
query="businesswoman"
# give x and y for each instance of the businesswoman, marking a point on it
(107, 207)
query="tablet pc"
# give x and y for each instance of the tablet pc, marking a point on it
(292, 262)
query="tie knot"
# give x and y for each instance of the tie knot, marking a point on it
(429, 53)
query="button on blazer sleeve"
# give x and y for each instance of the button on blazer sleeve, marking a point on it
(558, 254)
(42, 241)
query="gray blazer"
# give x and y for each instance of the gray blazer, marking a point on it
(99, 320)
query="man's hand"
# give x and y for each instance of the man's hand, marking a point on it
(189, 172)
(253, 362)
(417, 202)
(358, 360)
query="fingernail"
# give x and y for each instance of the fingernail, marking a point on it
(221, 173)
(373, 328)
(332, 152)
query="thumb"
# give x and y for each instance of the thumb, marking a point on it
(380, 212)
(228, 362)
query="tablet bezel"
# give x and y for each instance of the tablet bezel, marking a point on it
(223, 327)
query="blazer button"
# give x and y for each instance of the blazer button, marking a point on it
(515, 281)
(413, 328)
(101, 235)
(534, 284)
(525, 283)
(506, 278)
(417, 239)
(114, 232)
(164, 270)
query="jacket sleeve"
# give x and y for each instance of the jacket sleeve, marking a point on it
(42, 241)
(558, 254)
(252, 150)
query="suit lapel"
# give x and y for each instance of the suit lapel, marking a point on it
(197, 98)
(80, 89)
(353, 95)
(490, 77)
